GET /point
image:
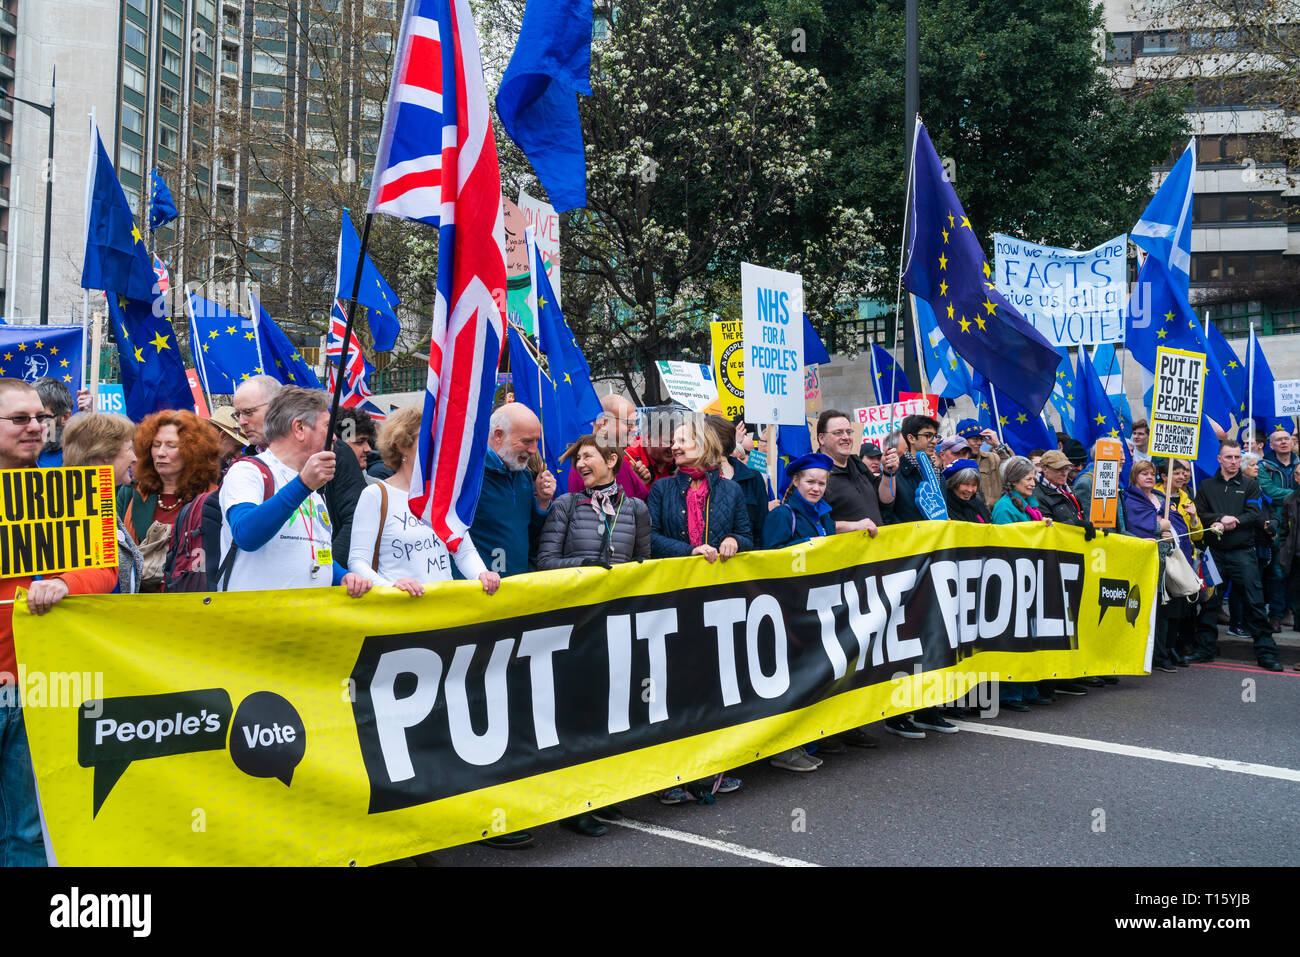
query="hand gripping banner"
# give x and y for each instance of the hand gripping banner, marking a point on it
(308, 728)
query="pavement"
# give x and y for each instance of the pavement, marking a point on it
(1199, 767)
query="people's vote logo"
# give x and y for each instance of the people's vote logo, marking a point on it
(1118, 593)
(35, 366)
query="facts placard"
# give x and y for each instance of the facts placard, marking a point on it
(1178, 399)
(56, 520)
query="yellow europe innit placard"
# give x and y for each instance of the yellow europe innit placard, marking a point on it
(56, 520)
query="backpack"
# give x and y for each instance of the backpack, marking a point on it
(193, 557)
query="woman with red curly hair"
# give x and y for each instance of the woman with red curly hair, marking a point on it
(177, 459)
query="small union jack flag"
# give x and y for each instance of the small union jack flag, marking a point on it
(355, 369)
(160, 275)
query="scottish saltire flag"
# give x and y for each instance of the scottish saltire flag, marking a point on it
(537, 100)
(224, 344)
(1094, 416)
(356, 370)
(890, 379)
(281, 357)
(116, 259)
(1105, 360)
(814, 350)
(374, 292)
(568, 366)
(160, 275)
(1165, 229)
(949, 376)
(153, 372)
(437, 164)
(1021, 429)
(34, 352)
(534, 389)
(1264, 407)
(162, 209)
(947, 268)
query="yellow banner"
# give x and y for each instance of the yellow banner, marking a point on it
(56, 520)
(309, 728)
(729, 365)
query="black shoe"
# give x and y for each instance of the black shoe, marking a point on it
(1092, 681)
(611, 813)
(1169, 669)
(1013, 706)
(1199, 659)
(509, 842)
(1042, 699)
(903, 727)
(586, 825)
(932, 722)
(1069, 687)
(830, 746)
(1109, 680)
(1180, 661)
(1271, 665)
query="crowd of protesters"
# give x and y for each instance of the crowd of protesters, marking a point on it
(267, 499)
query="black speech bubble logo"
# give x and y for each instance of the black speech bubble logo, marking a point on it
(113, 732)
(1112, 593)
(267, 737)
(1134, 605)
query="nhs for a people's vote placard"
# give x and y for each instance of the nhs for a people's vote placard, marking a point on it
(772, 321)
(1072, 297)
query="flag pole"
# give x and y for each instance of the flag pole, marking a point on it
(997, 419)
(257, 326)
(1250, 388)
(347, 330)
(196, 348)
(902, 250)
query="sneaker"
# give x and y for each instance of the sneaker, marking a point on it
(859, 738)
(796, 759)
(677, 795)
(830, 746)
(1237, 631)
(904, 728)
(935, 723)
(728, 785)
(1069, 687)
(813, 758)
(1275, 624)
(1288, 620)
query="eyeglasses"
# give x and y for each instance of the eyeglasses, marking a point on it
(247, 413)
(840, 433)
(22, 419)
(926, 435)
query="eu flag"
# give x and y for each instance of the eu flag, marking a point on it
(792, 441)
(1062, 397)
(34, 352)
(814, 350)
(1021, 429)
(1264, 405)
(280, 357)
(537, 100)
(578, 401)
(153, 373)
(374, 292)
(949, 376)
(1232, 369)
(116, 259)
(534, 389)
(162, 209)
(1094, 416)
(889, 376)
(224, 345)
(947, 268)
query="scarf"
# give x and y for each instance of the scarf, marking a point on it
(812, 512)
(604, 499)
(695, 499)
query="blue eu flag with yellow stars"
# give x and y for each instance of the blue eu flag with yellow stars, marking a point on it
(280, 357)
(568, 366)
(947, 268)
(224, 344)
(1021, 429)
(1062, 397)
(35, 352)
(116, 259)
(153, 372)
(1094, 415)
(374, 292)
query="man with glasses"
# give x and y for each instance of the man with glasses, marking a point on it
(342, 492)
(852, 490)
(919, 433)
(23, 421)
(617, 426)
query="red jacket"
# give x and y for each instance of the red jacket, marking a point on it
(87, 581)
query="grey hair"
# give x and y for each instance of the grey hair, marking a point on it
(55, 396)
(891, 441)
(270, 386)
(500, 419)
(293, 404)
(1014, 469)
(963, 477)
(1250, 458)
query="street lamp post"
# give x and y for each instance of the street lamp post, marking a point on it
(49, 197)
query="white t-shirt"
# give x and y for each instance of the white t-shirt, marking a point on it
(408, 548)
(286, 561)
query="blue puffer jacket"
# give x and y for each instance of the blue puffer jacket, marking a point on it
(724, 510)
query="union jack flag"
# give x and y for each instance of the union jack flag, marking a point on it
(355, 369)
(160, 275)
(437, 164)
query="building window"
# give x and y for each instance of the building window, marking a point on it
(270, 29)
(134, 37)
(1212, 40)
(132, 119)
(169, 139)
(131, 160)
(137, 4)
(171, 21)
(1162, 42)
(171, 60)
(379, 43)
(321, 140)
(268, 99)
(268, 63)
(315, 71)
(206, 8)
(202, 80)
(133, 78)
(167, 98)
(1120, 49)
(1237, 208)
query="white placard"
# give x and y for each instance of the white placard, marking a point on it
(1286, 396)
(546, 229)
(1072, 297)
(689, 383)
(1178, 399)
(878, 421)
(772, 323)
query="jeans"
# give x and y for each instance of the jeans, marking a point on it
(21, 844)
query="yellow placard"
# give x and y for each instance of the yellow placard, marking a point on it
(56, 520)
(729, 365)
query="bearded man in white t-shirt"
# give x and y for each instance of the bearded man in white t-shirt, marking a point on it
(284, 541)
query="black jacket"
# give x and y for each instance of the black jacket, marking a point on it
(907, 480)
(851, 493)
(1239, 496)
(1057, 506)
(974, 509)
(342, 493)
(754, 486)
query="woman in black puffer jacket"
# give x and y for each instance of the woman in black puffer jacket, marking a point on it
(599, 525)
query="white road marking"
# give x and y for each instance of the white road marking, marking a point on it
(1132, 751)
(725, 847)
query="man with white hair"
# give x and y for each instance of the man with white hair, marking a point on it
(616, 426)
(341, 493)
